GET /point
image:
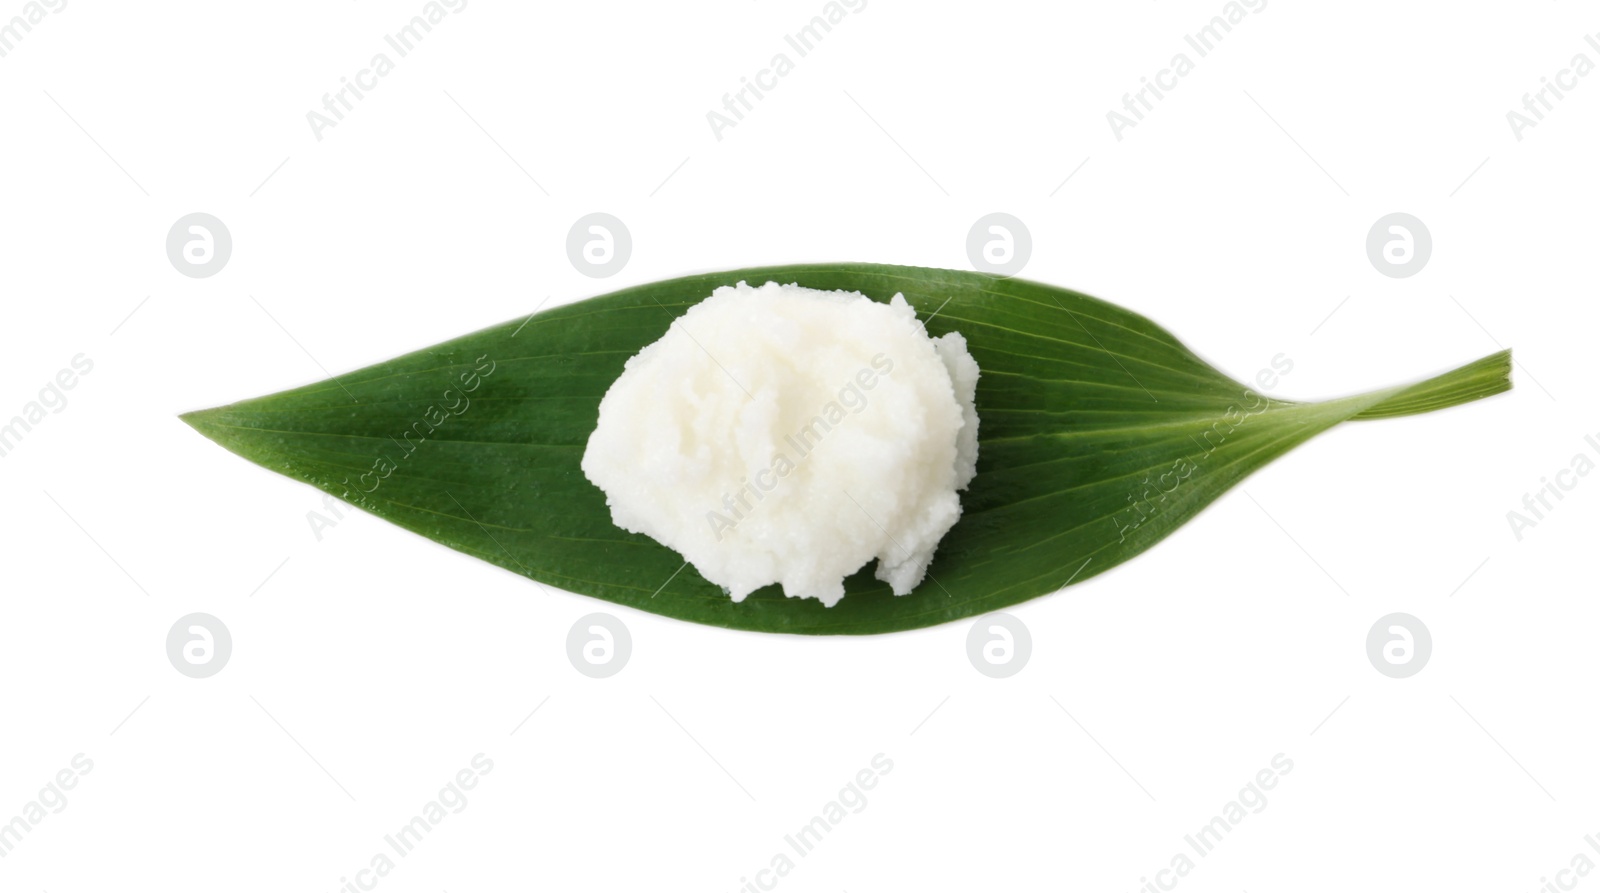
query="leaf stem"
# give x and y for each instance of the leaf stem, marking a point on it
(1474, 381)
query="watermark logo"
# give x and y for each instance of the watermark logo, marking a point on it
(1537, 104)
(755, 88)
(851, 800)
(435, 417)
(338, 103)
(999, 244)
(999, 645)
(199, 245)
(1149, 497)
(199, 645)
(320, 522)
(1580, 865)
(599, 645)
(803, 442)
(52, 397)
(599, 245)
(51, 800)
(451, 800)
(1251, 800)
(13, 30)
(1399, 645)
(1541, 502)
(1202, 42)
(1399, 245)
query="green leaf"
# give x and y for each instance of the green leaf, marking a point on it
(1100, 435)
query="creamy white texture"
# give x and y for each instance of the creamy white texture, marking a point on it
(787, 435)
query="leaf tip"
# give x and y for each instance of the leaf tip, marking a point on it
(204, 421)
(1476, 380)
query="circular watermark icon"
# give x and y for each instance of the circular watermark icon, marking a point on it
(199, 645)
(599, 245)
(1399, 245)
(1399, 645)
(199, 245)
(999, 645)
(599, 645)
(999, 244)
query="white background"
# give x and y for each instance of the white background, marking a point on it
(373, 664)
